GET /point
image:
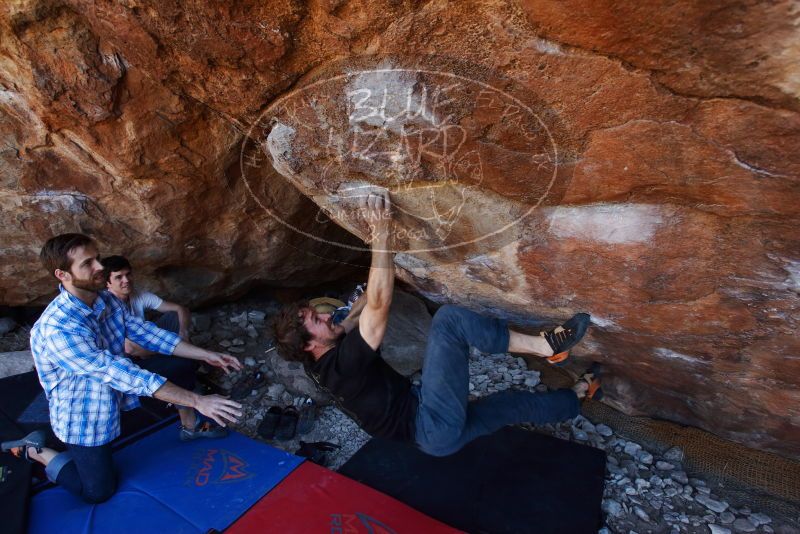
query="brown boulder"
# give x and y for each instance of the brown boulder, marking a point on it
(636, 161)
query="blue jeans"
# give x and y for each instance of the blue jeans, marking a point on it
(87, 472)
(446, 420)
(169, 321)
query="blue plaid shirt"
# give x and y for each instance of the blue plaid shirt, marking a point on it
(78, 352)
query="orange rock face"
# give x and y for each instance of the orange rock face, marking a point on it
(636, 161)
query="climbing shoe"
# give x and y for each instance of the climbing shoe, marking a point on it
(203, 429)
(591, 377)
(19, 447)
(562, 338)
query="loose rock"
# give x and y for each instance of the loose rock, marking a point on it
(743, 525)
(711, 504)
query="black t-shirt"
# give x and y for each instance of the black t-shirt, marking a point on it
(366, 388)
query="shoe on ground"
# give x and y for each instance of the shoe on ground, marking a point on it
(287, 426)
(269, 423)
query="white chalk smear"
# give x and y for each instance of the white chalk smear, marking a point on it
(672, 355)
(607, 223)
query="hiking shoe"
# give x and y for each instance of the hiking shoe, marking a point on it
(204, 429)
(562, 338)
(19, 447)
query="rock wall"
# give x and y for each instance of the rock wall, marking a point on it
(638, 161)
(102, 134)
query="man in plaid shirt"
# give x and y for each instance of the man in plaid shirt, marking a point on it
(77, 346)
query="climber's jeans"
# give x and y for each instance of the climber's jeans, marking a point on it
(446, 420)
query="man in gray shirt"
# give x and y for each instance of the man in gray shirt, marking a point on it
(175, 318)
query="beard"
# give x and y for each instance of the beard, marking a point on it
(95, 284)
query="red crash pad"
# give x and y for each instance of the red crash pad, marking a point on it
(315, 499)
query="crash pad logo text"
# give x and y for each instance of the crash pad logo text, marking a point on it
(217, 466)
(358, 523)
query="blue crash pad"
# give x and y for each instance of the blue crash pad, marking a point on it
(166, 485)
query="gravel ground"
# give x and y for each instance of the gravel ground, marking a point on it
(18, 339)
(645, 492)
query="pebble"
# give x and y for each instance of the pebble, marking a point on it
(675, 454)
(711, 504)
(726, 518)
(632, 449)
(237, 342)
(612, 507)
(236, 350)
(641, 514)
(587, 425)
(664, 466)
(716, 529)
(250, 361)
(743, 525)
(759, 519)
(604, 430)
(679, 477)
(7, 324)
(275, 391)
(225, 343)
(645, 458)
(256, 316)
(580, 435)
(240, 319)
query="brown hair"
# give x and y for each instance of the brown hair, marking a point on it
(291, 334)
(55, 253)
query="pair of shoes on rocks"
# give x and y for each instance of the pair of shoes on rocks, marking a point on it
(283, 424)
(19, 447)
(279, 423)
(246, 385)
(203, 429)
(562, 338)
